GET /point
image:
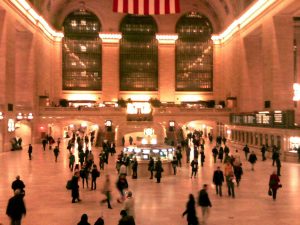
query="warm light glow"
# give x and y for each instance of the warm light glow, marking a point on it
(82, 97)
(25, 8)
(295, 140)
(108, 123)
(190, 98)
(144, 141)
(30, 116)
(10, 125)
(19, 116)
(251, 14)
(84, 124)
(71, 126)
(153, 141)
(166, 38)
(296, 87)
(95, 127)
(110, 37)
(148, 131)
(139, 107)
(140, 97)
(172, 124)
(1, 116)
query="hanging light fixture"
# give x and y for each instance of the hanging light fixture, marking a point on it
(19, 116)
(30, 116)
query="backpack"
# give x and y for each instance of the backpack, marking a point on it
(69, 185)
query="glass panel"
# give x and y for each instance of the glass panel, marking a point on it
(194, 54)
(139, 54)
(82, 68)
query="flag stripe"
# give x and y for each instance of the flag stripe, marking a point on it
(146, 7)
(115, 6)
(167, 7)
(136, 7)
(177, 7)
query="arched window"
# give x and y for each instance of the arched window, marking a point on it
(82, 52)
(139, 55)
(194, 53)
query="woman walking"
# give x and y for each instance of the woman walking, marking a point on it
(274, 184)
(106, 191)
(191, 211)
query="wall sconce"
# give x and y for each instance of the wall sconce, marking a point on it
(19, 116)
(1, 116)
(171, 125)
(108, 125)
(30, 116)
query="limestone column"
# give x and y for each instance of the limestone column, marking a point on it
(166, 67)
(110, 66)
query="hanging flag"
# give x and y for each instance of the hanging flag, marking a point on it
(146, 7)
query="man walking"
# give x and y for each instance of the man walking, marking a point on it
(204, 203)
(16, 208)
(30, 151)
(218, 180)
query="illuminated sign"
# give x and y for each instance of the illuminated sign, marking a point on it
(139, 108)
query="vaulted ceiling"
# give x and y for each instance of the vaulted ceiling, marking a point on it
(223, 11)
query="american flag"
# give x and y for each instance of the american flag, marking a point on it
(146, 7)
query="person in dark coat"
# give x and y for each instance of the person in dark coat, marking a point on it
(122, 184)
(191, 211)
(221, 153)
(179, 156)
(130, 140)
(56, 152)
(16, 208)
(215, 153)
(125, 219)
(134, 168)
(278, 165)
(202, 157)
(75, 188)
(218, 179)
(275, 155)
(151, 167)
(194, 165)
(174, 163)
(18, 184)
(274, 184)
(123, 141)
(44, 143)
(263, 152)
(30, 151)
(238, 172)
(99, 221)
(159, 169)
(84, 220)
(95, 174)
(252, 159)
(204, 203)
(246, 150)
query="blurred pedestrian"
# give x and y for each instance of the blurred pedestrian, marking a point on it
(191, 211)
(16, 208)
(204, 203)
(30, 151)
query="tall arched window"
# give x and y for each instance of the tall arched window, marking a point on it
(139, 55)
(194, 53)
(82, 52)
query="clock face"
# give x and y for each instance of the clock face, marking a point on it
(108, 123)
(149, 131)
(172, 123)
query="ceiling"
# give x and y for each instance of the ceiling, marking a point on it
(224, 11)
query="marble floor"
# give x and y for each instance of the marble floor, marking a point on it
(49, 203)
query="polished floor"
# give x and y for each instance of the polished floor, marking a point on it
(49, 203)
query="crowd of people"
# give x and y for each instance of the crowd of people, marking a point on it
(85, 166)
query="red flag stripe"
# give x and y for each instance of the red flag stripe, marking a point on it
(136, 6)
(146, 7)
(167, 6)
(177, 7)
(125, 6)
(115, 6)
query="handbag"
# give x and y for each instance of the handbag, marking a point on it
(69, 185)
(270, 192)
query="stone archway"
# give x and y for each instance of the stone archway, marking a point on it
(131, 128)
